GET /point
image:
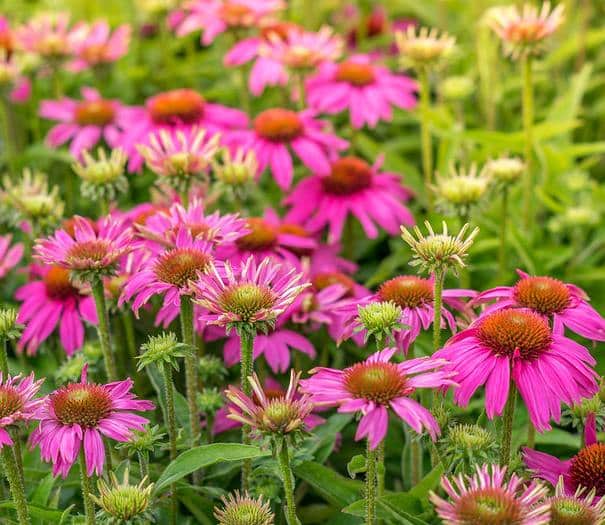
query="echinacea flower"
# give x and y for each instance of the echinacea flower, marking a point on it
(83, 122)
(79, 415)
(489, 497)
(586, 469)
(423, 47)
(277, 130)
(9, 255)
(565, 303)
(376, 385)
(89, 251)
(350, 187)
(95, 45)
(368, 91)
(52, 300)
(47, 34)
(515, 347)
(102, 177)
(214, 17)
(275, 416)
(242, 508)
(504, 170)
(523, 31)
(235, 170)
(583, 506)
(17, 403)
(461, 190)
(254, 294)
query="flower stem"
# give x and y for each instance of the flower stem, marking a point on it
(380, 469)
(98, 293)
(370, 485)
(531, 435)
(528, 123)
(16, 485)
(437, 303)
(416, 459)
(247, 368)
(131, 342)
(171, 425)
(4, 358)
(283, 459)
(191, 375)
(425, 135)
(502, 253)
(143, 458)
(89, 507)
(507, 425)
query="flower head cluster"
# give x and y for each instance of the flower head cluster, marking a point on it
(17, 403)
(242, 509)
(459, 192)
(102, 178)
(504, 170)
(163, 349)
(424, 47)
(94, 45)
(9, 326)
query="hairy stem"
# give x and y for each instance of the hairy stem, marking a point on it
(15, 482)
(171, 425)
(503, 251)
(437, 303)
(98, 293)
(247, 368)
(425, 135)
(528, 124)
(507, 425)
(283, 459)
(191, 372)
(89, 507)
(370, 485)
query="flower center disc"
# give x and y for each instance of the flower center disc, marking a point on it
(262, 235)
(508, 331)
(58, 285)
(407, 291)
(88, 251)
(181, 265)
(355, 73)
(588, 468)
(280, 413)
(489, 505)
(278, 125)
(236, 15)
(95, 53)
(95, 112)
(542, 294)
(176, 106)
(323, 280)
(247, 300)
(349, 175)
(10, 401)
(82, 404)
(570, 511)
(280, 30)
(378, 382)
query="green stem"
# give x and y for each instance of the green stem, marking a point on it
(416, 458)
(98, 293)
(437, 303)
(502, 253)
(89, 507)
(425, 135)
(283, 459)
(4, 358)
(507, 425)
(531, 435)
(191, 372)
(528, 123)
(370, 486)
(247, 368)
(143, 458)
(16, 485)
(171, 425)
(9, 134)
(380, 469)
(131, 342)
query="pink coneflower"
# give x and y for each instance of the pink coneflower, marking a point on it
(368, 91)
(90, 249)
(585, 469)
(9, 255)
(169, 273)
(547, 368)
(414, 295)
(83, 122)
(351, 187)
(277, 130)
(377, 385)
(566, 303)
(95, 45)
(79, 415)
(17, 403)
(253, 293)
(177, 108)
(47, 34)
(269, 236)
(488, 497)
(50, 301)
(214, 17)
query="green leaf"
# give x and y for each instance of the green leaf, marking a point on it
(43, 489)
(40, 512)
(204, 456)
(334, 488)
(428, 483)
(397, 508)
(357, 465)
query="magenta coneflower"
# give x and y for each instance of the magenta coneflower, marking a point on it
(414, 295)
(376, 385)
(47, 34)
(9, 255)
(488, 497)
(351, 187)
(89, 249)
(171, 110)
(214, 17)
(253, 293)
(277, 130)
(369, 92)
(516, 343)
(49, 301)
(79, 415)
(566, 303)
(95, 45)
(83, 122)
(17, 403)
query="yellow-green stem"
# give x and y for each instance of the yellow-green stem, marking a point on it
(283, 458)
(503, 251)
(371, 487)
(89, 507)
(98, 293)
(528, 124)
(425, 135)
(247, 368)
(171, 425)
(191, 372)
(437, 303)
(507, 425)
(16, 485)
